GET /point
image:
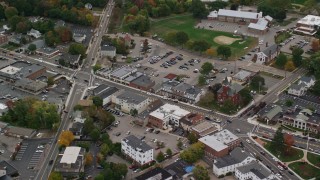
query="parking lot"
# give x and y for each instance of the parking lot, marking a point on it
(300, 101)
(298, 41)
(126, 127)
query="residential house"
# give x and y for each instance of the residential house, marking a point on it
(266, 56)
(204, 128)
(127, 101)
(309, 25)
(137, 150)
(15, 39)
(107, 50)
(165, 115)
(60, 23)
(260, 27)
(34, 33)
(19, 132)
(8, 171)
(156, 174)
(303, 119)
(79, 38)
(71, 60)
(254, 170)
(229, 91)
(228, 163)
(132, 77)
(76, 129)
(190, 120)
(181, 91)
(105, 92)
(47, 52)
(71, 162)
(78, 117)
(308, 81)
(220, 143)
(179, 169)
(3, 109)
(119, 75)
(297, 89)
(143, 82)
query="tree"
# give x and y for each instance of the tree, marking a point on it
(65, 34)
(234, 6)
(169, 152)
(2, 14)
(95, 134)
(200, 45)
(97, 101)
(170, 38)
(62, 62)
(289, 66)
(281, 60)
(200, 173)
(225, 51)
(88, 159)
(96, 67)
(99, 177)
(77, 48)
(65, 138)
(315, 45)
(32, 47)
(201, 80)
(160, 157)
(145, 46)
(10, 12)
(133, 112)
(211, 52)
(192, 137)
(105, 149)
(50, 81)
(277, 142)
(55, 176)
(182, 38)
(289, 102)
(206, 68)
(193, 153)
(257, 82)
(297, 56)
(289, 141)
(179, 144)
(198, 9)
(216, 5)
(88, 126)
(51, 38)
(245, 96)
(316, 88)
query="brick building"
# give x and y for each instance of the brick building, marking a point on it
(229, 91)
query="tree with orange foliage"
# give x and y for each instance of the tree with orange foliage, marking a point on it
(289, 141)
(65, 138)
(315, 45)
(88, 159)
(152, 3)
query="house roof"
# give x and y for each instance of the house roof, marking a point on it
(273, 48)
(187, 88)
(131, 97)
(108, 92)
(310, 20)
(169, 110)
(108, 48)
(30, 84)
(177, 168)
(85, 102)
(28, 70)
(137, 143)
(143, 81)
(10, 169)
(297, 87)
(307, 79)
(20, 131)
(70, 155)
(47, 50)
(239, 14)
(133, 76)
(155, 174)
(236, 156)
(70, 58)
(273, 112)
(269, 18)
(170, 76)
(256, 168)
(219, 140)
(205, 128)
(120, 72)
(262, 24)
(242, 75)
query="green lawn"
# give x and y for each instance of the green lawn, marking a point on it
(186, 23)
(305, 170)
(298, 2)
(282, 37)
(9, 47)
(296, 155)
(314, 159)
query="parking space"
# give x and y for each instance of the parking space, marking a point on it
(300, 101)
(296, 41)
(20, 153)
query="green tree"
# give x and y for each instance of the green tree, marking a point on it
(316, 88)
(201, 80)
(179, 144)
(216, 5)
(206, 68)
(88, 126)
(192, 137)
(182, 38)
(169, 152)
(50, 81)
(97, 101)
(281, 60)
(99, 177)
(160, 157)
(245, 96)
(62, 62)
(10, 12)
(225, 51)
(289, 102)
(95, 134)
(32, 47)
(51, 38)
(55, 176)
(105, 149)
(257, 82)
(277, 143)
(2, 14)
(228, 107)
(200, 45)
(77, 48)
(134, 112)
(170, 38)
(200, 173)
(193, 153)
(198, 9)
(96, 67)
(297, 56)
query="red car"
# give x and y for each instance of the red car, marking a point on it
(132, 166)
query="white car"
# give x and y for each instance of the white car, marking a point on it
(40, 147)
(280, 167)
(39, 151)
(248, 141)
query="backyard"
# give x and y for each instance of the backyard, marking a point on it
(305, 170)
(187, 24)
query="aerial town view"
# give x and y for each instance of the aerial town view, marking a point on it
(159, 89)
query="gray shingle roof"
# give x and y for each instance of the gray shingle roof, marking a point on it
(307, 79)
(99, 89)
(135, 143)
(236, 156)
(10, 170)
(131, 97)
(155, 174)
(108, 92)
(297, 87)
(273, 112)
(272, 48)
(143, 81)
(256, 168)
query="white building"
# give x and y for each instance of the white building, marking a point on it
(229, 163)
(254, 170)
(297, 89)
(166, 114)
(308, 81)
(308, 25)
(269, 54)
(126, 101)
(107, 50)
(71, 162)
(34, 33)
(137, 150)
(79, 38)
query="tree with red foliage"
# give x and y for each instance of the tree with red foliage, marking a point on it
(139, 3)
(315, 45)
(289, 141)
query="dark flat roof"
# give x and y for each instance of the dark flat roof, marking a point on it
(157, 174)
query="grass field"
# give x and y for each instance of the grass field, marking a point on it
(305, 170)
(186, 23)
(314, 159)
(296, 155)
(298, 1)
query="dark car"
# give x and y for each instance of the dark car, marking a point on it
(229, 121)
(157, 132)
(51, 162)
(118, 134)
(86, 80)
(207, 118)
